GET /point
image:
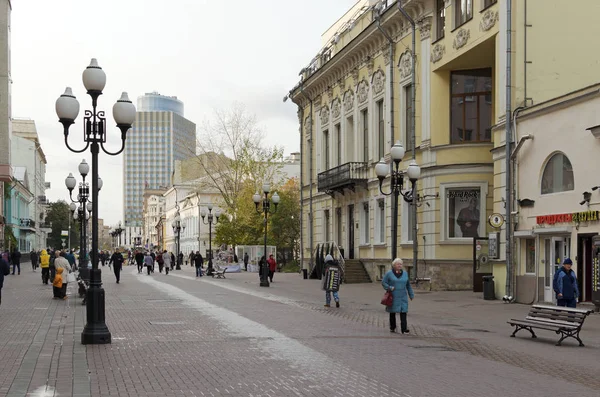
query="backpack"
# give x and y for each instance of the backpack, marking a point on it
(555, 280)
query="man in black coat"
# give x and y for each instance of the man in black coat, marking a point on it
(117, 260)
(198, 261)
(246, 261)
(139, 260)
(34, 259)
(15, 258)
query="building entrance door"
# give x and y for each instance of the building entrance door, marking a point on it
(585, 259)
(351, 231)
(555, 251)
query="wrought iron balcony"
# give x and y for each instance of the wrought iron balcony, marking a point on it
(345, 176)
(26, 222)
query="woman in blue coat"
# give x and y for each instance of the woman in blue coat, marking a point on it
(396, 281)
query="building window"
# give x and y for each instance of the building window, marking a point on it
(471, 106)
(440, 19)
(530, 255)
(380, 129)
(338, 216)
(463, 12)
(338, 141)
(407, 222)
(410, 145)
(488, 3)
(558, 175)
(350, 141)
(365, 134)
(463, 212)
(326, 149)
(366, 225)
(326, 225)
(380, 221)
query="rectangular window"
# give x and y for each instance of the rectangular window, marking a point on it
(463, 212)
(326, 225)
(365, 134)
(380, 129)
(326, 149)
(406, 222)
(338, 141)
(380, 221)
(338, 215)
(365, 224)
(463, 12)
(471, 106)
(440, 19)
(489, 3)
(530, 255)
(350, 143)
(410, 145)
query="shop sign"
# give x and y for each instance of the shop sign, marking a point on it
(584, 216)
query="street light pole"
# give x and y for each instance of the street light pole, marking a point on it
(67, 109)
(177, 226)
(211, 220)
(266, 209)
(396, 184)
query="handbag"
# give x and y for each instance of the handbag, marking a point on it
(388, 299)
(71, 278)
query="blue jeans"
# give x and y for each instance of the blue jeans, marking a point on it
(198, 272)
(18, 266)
(567, 302)
(336, 297)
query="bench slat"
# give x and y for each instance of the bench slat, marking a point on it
(540, 325)
(564, 309)
(558, 322)
(556, 316)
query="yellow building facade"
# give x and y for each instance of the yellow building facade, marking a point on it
(354, 102)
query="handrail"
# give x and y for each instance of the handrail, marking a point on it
(333, 249)
(342, 175)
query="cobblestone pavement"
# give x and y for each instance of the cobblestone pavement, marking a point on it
(181, 336)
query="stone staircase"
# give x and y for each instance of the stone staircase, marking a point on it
(355, 273)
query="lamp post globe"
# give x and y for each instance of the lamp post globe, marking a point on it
(70, 182)
(94, 78)
(67, 107)
(381, 169)
(124, 111)
(84, 168)
(100, 183)
(397, 152)
(413, 171)
(256, 198)
(73, 207)
(276, 198)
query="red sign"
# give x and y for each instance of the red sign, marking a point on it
(585, 216)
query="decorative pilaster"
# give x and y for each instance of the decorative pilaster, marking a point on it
(424, 25)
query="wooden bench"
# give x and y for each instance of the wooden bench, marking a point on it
(218, 272)
(563, 320)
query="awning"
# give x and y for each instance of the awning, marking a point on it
(553, 230)
(523, 233)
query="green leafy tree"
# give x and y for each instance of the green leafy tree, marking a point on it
(59, 216)
(248, 226)
(284, 224)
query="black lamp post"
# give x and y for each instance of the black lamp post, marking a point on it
(212, 219)
(83, 199)
(94, 136)
(177, 227)
(396, 184)
(266, 209)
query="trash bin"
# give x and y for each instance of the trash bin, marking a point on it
(488, 288)
(305, 274)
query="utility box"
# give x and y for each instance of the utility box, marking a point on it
(596, 272)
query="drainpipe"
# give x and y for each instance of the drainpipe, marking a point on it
(310, 175)
(301, 110)
(507, 137)
(413, 135)
(389, 39)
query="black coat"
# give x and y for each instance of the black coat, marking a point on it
(4, 271)
(15, 257)
(198, 260)
(117, 259)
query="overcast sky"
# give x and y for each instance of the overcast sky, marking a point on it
(207, 53)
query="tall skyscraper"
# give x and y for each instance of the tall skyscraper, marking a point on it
(159, 136)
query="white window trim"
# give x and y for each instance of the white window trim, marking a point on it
(444, 187)
(360, 131)
(380, 239)
(324, 224)
(374, 125)
(523, 243)
(365, 222)
(402, 127)
(405, 235)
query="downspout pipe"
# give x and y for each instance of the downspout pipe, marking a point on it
(310, 175)
(507, 137)
(413, 81)
(391, 77)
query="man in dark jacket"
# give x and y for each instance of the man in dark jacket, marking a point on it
(198, 261)
(15, 258)
(246, 261)
(33, 256)
(4, 271)
(139, 260)
(117, 260)
(566, 288)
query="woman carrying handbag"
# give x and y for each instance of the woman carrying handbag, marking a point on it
(396, 281)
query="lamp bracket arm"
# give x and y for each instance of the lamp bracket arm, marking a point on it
(87, 145)
(114, 153)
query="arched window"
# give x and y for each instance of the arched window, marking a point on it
(558, 175)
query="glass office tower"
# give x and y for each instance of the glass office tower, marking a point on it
(159, 136)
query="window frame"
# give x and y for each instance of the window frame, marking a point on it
(440, 19)
(406, 236)
(326, 228)
(407, 113)
(474, 96)
(485, 4)
(444, 210)
(458, 20)
(326, 157)
(338, 137)
(365, 221)
(543, 172)
(380, 106)
(364, 118)
(527, 269)
(380, 221)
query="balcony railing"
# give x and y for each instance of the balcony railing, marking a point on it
(26, 222)
(345, 176)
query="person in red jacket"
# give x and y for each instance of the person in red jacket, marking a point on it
(272, 266)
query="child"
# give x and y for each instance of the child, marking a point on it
(57, 285)
(332, 281)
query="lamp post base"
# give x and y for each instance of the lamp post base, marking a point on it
(84, 273)
(95, 331)
(264, 283)
(178, 267)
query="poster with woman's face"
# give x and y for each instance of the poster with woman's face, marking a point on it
(463, 213)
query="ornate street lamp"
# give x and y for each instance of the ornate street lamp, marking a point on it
(117, 234)
(211, 220)
(177, 228)
(83, 199)
(265, 210)
(396, 184)
(94, 136)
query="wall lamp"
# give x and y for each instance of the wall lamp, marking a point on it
(586, 198)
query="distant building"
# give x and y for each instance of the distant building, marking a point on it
(154, 207)
(16, 210)
(160, 135)
(5, 105)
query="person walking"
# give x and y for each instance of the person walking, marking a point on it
(332, 281)
(45, 266)
(565, 285)
(4, 271)
(117, 261)
(61, 262)
(148, 262)
(71, 258)
(180, 259)
(198, 261)
(153, 255)
(167, 260)
(172, 261)
(139, 260)
(272, 266)
(191, 259)
(15, 258)
(33, 257)
(396, 281)
(246, 258)
(59, 286)
(160, 261)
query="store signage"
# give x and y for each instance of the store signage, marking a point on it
(585, 216)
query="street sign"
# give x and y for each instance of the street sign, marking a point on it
(496, 220)
(478, 247)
